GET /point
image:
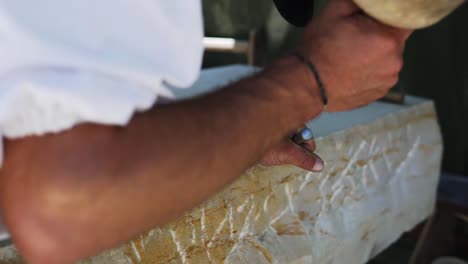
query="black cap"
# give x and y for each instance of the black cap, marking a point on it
(296, 12)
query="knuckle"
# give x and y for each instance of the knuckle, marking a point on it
(286, 156)
(393, 43)
(388, 43)
(389, 84)
(295, 155)
(394, 81)
(277, 159)
(398, 65)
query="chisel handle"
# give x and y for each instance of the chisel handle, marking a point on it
(305, 134)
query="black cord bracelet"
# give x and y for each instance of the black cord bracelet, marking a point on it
(313, 69)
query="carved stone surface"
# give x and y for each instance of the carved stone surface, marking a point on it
(383, 164)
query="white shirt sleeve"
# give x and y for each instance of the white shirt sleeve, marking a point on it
(65, 62)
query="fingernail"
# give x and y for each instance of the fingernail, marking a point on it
(318, 166)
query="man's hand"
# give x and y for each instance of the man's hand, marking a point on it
(287, 152)
(359, 59)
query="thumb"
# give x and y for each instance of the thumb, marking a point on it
(341, 8)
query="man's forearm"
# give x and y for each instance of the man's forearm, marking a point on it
(87, 189)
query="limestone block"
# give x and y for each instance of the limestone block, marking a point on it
(383, 164)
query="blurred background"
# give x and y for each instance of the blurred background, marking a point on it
(436, 68)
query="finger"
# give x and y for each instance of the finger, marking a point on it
(302, 158)
(341, 8)
(309, 145)
(391, 68)
(386, 81)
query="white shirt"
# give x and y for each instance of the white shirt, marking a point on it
(65, 62)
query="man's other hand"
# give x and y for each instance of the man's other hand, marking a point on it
(359, 59)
